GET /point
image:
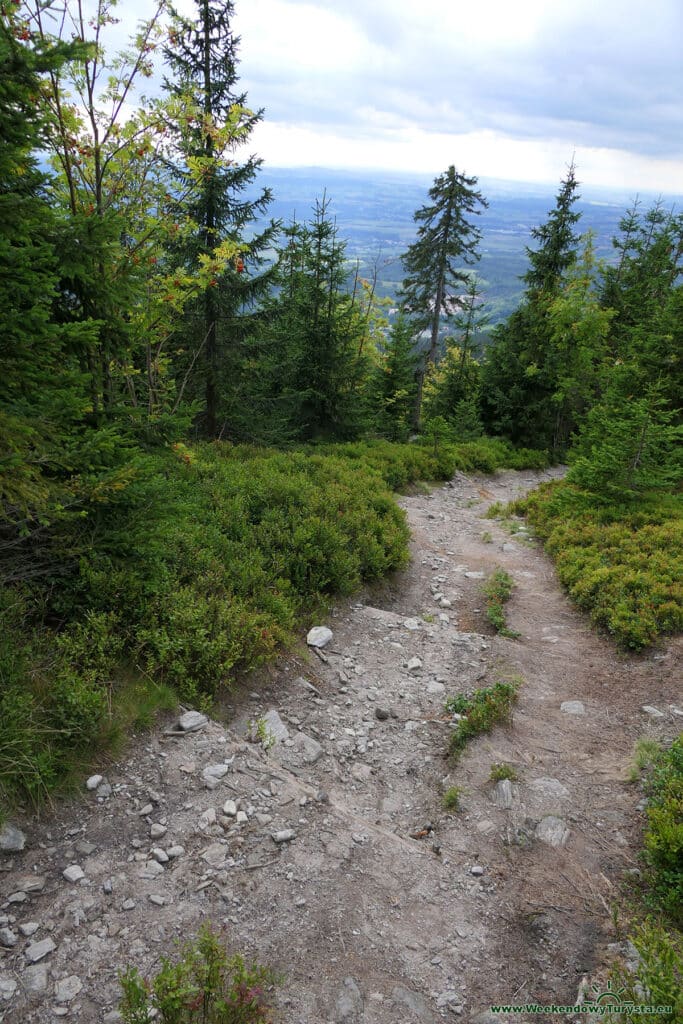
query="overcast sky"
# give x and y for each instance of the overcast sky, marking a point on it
(502, 88)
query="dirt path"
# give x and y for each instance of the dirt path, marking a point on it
(313, 867)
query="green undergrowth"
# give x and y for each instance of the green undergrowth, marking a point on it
(197, 564)
(498, 591)
(203, 985)
(480, 711)
(621, 563)
(657, 921)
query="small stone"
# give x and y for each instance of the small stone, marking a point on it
(8, 939)
(435, 689)
(451, 999)
(307, 748)
(349, 1003)
(157, 830)
(152, 869)
(128, 905)
(242, 818)
(381, 714)
(12, 839)
(217, 771)
(284, 836)
(472, 575)
(572, 707)
(412, 624)
(160, 855)
(503, 794)
(85, 848)
(68, 988)
(230, 808)
(104, 790)
(207, 818)
(445, 603)
(192, 721)
(30, 883)
(414, 665)
(275, 727)
(28, 928)
(93, 782)
(477, 870)
(35, 979)
(74, 873)
(39, 950)
(552, 830)
(319, 636)
(652, 711)
(8, 986)
(215, 855)
(175, 851)
(158, 901)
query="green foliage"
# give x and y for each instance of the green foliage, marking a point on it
(658, 980)
(480, 711)
(623, 564)
(394, 382)
(500, 771)
(204, 986)
(664, 832)
(498, 590)
(451, 798)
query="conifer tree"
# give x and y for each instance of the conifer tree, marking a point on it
(436, 262)
(520, 372)
(202, 61)
(394, 383)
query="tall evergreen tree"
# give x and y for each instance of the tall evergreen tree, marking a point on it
(394, 382)
(520, 372)
(202, 61)
(435, 264)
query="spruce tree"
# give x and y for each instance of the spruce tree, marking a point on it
(394, 382)
(202, 62)
(520, 371)
(436, 263)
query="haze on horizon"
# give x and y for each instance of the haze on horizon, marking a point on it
(510, 91)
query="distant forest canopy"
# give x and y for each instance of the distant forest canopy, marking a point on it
(374, 214)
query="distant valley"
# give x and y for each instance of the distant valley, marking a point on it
(374, 214)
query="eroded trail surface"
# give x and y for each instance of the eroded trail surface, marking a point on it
(307, 852)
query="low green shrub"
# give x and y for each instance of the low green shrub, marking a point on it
(658, 979)
(498, 590)
(451, 798)
(481, 710)
(663, 841)
(622, 565)
(500, 771)
(204, 986)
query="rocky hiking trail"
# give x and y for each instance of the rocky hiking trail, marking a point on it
(329, 856)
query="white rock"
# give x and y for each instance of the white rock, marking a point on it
(158, 901)
(230, 808)
(305, 747)
(471, 575)
(436, 688)
(35, 979)
(553, 831)
(477, 870)
(242, 818)
(12, 839)
(30, 883)
(319, 636)
(160, 855)
(572, 707)
(445, 603)
(411, 624)
(152, 869)
(215, 855)
(208, 818)
(175, 851)
(8, 938)
(68, 988)
(283, 836)
(8, 986)
(94, 781)
(74, 873)
(157, 830)
(191, 721)
(503, 794)
(39, 950)
(414, 665)
(29, 928)
(275, 727)
(652, 711)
